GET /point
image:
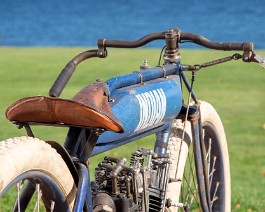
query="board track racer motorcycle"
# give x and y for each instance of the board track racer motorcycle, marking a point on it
(187, 168)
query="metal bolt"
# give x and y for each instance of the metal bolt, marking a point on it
(99, 80)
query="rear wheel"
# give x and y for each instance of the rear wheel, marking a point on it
(183, 186)
(33, 176)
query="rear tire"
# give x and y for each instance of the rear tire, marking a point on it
(182, 187)
(33, 165)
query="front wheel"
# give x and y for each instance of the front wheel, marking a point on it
(183, 187)
(33, 176)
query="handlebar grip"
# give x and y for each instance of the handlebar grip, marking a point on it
(69, 69)
(200, 40)
(62, 79)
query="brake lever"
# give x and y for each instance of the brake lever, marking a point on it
(258, 59)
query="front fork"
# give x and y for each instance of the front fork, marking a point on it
(200, 159)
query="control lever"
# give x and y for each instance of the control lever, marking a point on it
(258, 59)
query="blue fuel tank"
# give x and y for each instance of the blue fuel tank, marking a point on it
(143, 106)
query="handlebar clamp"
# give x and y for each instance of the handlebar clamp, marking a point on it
(248, 51)
(172, 38)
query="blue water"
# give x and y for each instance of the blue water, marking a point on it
(82, 22)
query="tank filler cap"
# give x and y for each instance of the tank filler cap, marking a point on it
(144, 65)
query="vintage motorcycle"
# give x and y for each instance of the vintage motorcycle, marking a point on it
(187, 169)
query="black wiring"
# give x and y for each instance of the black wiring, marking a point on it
(161, 55)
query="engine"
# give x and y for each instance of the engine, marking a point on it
(140, 186)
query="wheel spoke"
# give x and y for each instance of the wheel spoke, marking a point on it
(189, 192)
(208, 155)
(52, 206)
(18, 195)
(190, 195)
(212, 171)
(39, 194)
(19, 187)
(214, 196)
(189, 177)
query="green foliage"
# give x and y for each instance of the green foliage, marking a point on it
(235, 89)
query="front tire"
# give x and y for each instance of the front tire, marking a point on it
(183, 187)
(29, 166)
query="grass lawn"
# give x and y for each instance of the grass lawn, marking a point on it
(235, 89)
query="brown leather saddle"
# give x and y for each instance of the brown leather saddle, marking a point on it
(88, 108)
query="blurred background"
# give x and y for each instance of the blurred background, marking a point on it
(37, 39)
(81, 23)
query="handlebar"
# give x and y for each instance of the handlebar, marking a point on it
(131, 44)
(68, 71)
(172, 37)
(180, 36)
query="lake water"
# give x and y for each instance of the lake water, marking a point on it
(82, 22)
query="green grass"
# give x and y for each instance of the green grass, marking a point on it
(236, 89)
